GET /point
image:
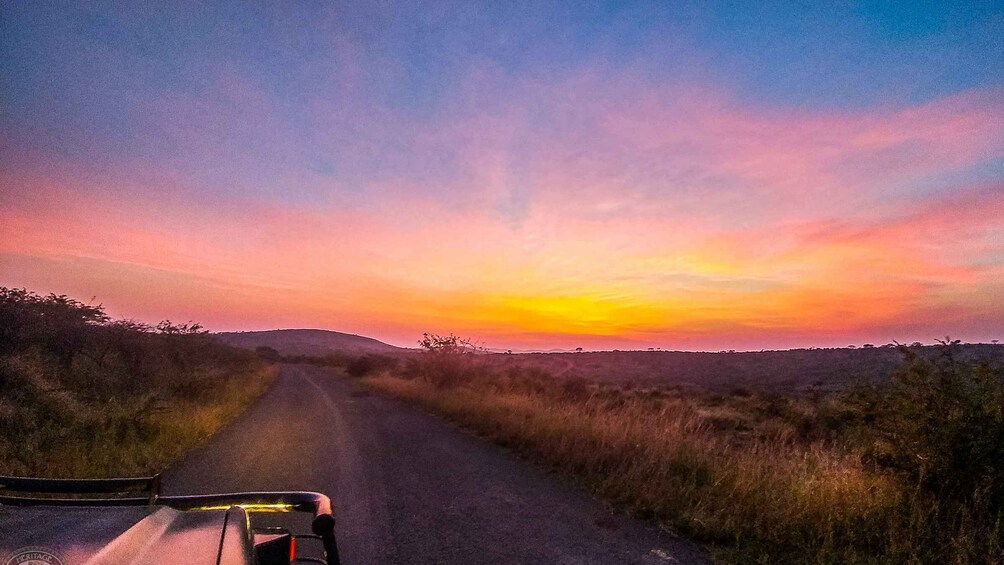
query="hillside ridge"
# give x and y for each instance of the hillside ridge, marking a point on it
(308, 341)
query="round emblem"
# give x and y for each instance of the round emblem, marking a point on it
(33, 556)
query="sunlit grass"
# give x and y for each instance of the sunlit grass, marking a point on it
(105, 443)
(757, 496)
(83, 395)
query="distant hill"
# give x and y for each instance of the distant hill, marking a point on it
(308, 342)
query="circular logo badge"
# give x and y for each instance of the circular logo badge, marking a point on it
(33, 556)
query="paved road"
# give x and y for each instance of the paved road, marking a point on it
(409, 488)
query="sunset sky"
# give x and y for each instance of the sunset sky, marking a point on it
(606, 175)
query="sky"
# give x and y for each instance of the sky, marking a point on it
(697, 176)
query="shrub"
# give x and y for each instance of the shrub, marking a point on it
(271, 355)
(268, 354)
(942, 425)
(334, 360)
(81, 394)
(448, 361)
(369, 364)
(55, 323)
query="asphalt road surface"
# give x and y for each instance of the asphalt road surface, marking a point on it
(407, 487)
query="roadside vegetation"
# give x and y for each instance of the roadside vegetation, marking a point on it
(83, 395)
(907, 472)
(270, 355)
(360, 366)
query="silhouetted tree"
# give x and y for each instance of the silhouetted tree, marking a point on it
(55, 323)
(447, 360)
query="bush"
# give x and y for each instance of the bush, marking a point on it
(268, 354)
(58, 325)
(448, 361)
(369, 364)
(941, 425)
(73, 381)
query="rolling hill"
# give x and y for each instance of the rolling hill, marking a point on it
(308, 342)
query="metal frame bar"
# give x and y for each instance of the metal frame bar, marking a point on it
(83, 486)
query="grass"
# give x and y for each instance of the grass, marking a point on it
(111, 439)
(754, 477)
(112, 444)
(84, 396)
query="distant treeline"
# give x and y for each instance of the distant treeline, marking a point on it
(84, 394)
(816, 369)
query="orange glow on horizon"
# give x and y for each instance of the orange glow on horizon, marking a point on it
(786, 259)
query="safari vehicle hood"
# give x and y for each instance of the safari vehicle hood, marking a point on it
(105, 523)
(120, 535)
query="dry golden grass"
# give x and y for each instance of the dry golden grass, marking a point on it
(83, 395)
(757, 497)
(112, 450)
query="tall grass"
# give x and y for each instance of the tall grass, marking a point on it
(120, 437)
(84, 396)
(743, 474)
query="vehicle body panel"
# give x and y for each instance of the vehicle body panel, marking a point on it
(117, 528)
